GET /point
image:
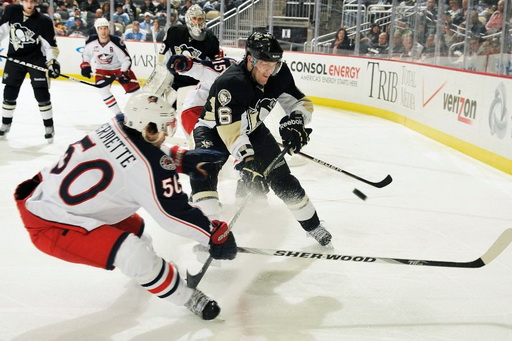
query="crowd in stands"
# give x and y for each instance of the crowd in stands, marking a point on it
(141, 20)
(414, 36)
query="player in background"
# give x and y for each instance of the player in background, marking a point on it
(232, 123)
(82, 209)
(192, 40)
(112, 59)
(32, 40)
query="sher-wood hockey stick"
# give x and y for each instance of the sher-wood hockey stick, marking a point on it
(383, 183)
(40, 68)
(193, 280)
(494, 251)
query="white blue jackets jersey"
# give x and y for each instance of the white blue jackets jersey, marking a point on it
(109, 175)
(111, 56)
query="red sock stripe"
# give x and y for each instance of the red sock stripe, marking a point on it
(166, 283)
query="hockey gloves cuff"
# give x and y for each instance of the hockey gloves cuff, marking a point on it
(197, 163)
(124, 77)
(179, 63)
(53, 68)
(222, 241)
(292, 131)
(86, 69)
(252, 176)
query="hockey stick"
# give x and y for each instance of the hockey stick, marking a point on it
(114, 77)
(383, 183)
(494, 251)
(193, 280)
(40, 68)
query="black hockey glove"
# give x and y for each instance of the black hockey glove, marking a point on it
(292, 131)
(124, 77)
(197, 163)
(86, 69)
(222, 241)
(179, 62)
(252, 176)
(53, 68)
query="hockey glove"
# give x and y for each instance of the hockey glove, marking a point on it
(86, 69)
(53, 68)
(222, 241)
(197, 163)
(292, 131)
(124, 77)
(252, 177)
(180, 63)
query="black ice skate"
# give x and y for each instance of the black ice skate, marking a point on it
(4, 129)
(203, 306)
(322, 236)
(49, 132)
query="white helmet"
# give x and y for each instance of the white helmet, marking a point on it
(100, 22)
(195, 18)
(144, 108)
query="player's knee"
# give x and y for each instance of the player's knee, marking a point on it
(42, 95)
(11, 94)
(136, 259)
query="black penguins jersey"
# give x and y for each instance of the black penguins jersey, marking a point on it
(237, 105)
(178, 41)
(30, 38)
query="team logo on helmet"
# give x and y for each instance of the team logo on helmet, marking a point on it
(224, 97)
(152, 99)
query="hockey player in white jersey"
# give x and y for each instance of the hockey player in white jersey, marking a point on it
(82, 209)
(112, 59)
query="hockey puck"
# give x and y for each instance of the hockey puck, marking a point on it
(360, 194)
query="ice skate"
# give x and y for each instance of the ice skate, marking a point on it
(322, 236)
(4, 129)
(49, 132)
(203, 306)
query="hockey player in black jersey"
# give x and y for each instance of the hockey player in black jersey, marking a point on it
(232, 122)
(192, 40)
(32, 40)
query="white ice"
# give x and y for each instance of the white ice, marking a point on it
(441, 205)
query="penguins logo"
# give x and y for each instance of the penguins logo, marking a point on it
(498, 112)
(21, 36)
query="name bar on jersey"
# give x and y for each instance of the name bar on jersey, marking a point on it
(115, 145)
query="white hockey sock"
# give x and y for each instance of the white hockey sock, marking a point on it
(136, 259)
(208, 202)
(109, 100)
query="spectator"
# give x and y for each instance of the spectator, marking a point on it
(79, 29)
(173, 21)
(71, 21)
(162, 6)
(382, 46)
(496, 20)
(147, 23)
(341, 42)
(398, 47)
(455, 12)
(106, 10)
(210, 5)
(130, 9)
(148, 6)
(476, 26)
(373, 34)
(120, 16)
(60, 29)
(135, 33)
(183, 9)
(90, 6)
(156, 31)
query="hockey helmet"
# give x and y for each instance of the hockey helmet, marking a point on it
(264, 46)
(101, 22)
(195, 18)
(144, 108)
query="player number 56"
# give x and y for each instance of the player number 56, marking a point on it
(171, 185)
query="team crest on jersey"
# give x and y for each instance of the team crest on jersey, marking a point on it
(167, 163)
(186, 50)
(104, 59)
(21, 36)
(224, 97)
